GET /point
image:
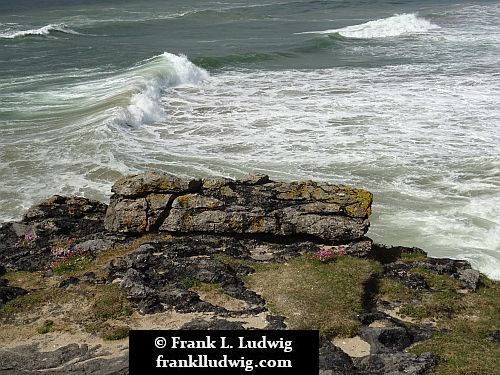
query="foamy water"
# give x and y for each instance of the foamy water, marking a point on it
(402, 102)
(12, 33)
(399, 24)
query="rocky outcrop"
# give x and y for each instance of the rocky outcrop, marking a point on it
(27, 245)
(255, 206)
(213, 232)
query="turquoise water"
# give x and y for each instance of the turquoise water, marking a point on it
(398, 97)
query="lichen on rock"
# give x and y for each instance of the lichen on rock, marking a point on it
(254, 205)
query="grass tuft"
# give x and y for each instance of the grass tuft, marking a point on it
(46, 327)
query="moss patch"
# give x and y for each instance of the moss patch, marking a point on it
(316, 295)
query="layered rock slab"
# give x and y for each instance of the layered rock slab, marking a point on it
(255, 206)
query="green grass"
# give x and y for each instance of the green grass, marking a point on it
(394, 291)
(465, 323)
(189, 282)
(74, 263)
(111, 303)
(316, 295)
(31, 301)
(110, 333)
(46, 327)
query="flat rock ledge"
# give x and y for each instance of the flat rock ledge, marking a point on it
(255, 206)
(193, 222)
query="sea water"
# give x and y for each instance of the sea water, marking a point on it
(397, 97)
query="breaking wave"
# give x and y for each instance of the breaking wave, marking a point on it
(148, 83)
(399, 24)
(42, 31)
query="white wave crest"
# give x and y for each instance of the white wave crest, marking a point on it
(399, 24)
(156, 75)
(42, 31)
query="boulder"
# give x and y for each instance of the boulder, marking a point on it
(254, 206)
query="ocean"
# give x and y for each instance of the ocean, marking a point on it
(397, 97)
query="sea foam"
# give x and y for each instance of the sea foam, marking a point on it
(150, 80)
(41, 31)
(399, 24)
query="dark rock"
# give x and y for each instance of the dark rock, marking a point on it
(400, 271)
(275, 322)
(184, 300)
(389, 254)
(91, 278)
(69, 281)
(73, 216)
(212, 325)
(26, 246)
(459, 269)
(150, 305)
(244, 270)
(70, 359)
(396, 364)
(443, 266)
(161, 274)
(333, 361)
(369, 318)
(3, 271)
(4, 282)
(496, 336)
(386, 339)
(8, 293)
(392, 334)
(100, 243)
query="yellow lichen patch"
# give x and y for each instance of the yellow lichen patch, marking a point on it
(187, 220)
(354, 202)
(227, 191)
(183, 200)
(298, 191)
(215, 182)
(197, 201)
(257, 224)
(235, 222)
(362, 203)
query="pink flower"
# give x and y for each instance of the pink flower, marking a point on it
(326, 253)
